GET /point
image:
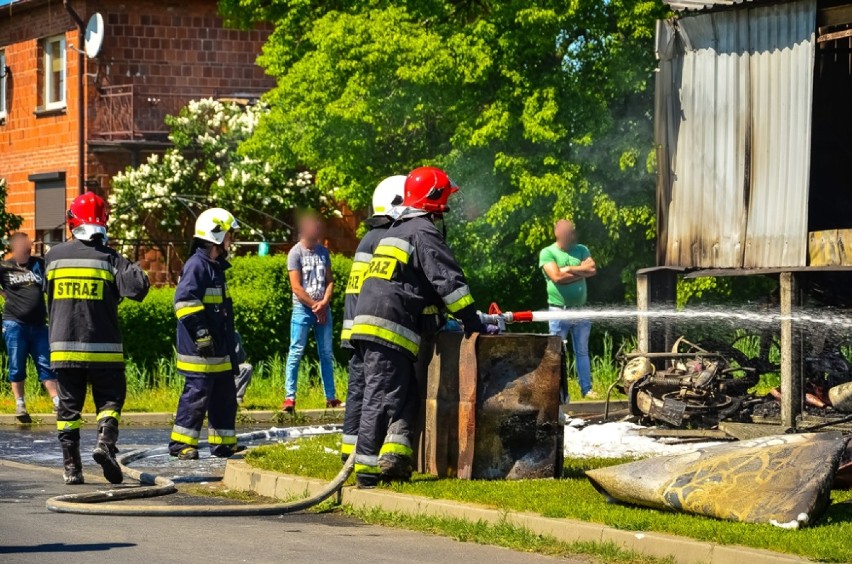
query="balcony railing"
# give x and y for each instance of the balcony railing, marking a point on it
(129, 113)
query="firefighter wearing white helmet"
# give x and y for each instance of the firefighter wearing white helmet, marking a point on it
(387, 196)
(206, 342)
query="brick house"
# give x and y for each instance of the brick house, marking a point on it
(156, 56)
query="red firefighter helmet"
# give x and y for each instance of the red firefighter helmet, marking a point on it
(88, 209)
(428, 188)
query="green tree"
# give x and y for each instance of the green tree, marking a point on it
(9, 222)
(539, 109)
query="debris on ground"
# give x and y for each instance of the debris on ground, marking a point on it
(621, 439)
(785, 480)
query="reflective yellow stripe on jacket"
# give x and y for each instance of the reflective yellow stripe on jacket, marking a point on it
(204, 365)
(372, 326)
(74, 351)
(81, 268)
(458, 299)
(346, 334)
(213, 296)
(182, 309)
(399, 249)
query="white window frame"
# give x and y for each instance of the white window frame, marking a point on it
(3, 108)
(47, 74)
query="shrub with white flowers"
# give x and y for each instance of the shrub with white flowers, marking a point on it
(158, 201)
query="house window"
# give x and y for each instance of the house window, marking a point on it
(2, 85)
(53, 73)
(49, 204)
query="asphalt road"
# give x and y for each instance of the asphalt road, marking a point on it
(30, 533)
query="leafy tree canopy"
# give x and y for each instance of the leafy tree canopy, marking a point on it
(158, 201)
(539, 109)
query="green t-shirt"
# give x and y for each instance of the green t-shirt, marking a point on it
(565, 295)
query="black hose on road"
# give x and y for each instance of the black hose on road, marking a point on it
(96, 503)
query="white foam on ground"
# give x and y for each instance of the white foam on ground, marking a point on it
(620, 439)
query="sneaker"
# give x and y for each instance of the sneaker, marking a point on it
(289, 406)
(591, 396)
(187, 453)
(333, 403)
(112, 471)
(21, 414)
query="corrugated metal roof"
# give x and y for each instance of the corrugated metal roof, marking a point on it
(733, 123)
(705, 4)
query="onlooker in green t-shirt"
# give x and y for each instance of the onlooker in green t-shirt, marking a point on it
(566, 265)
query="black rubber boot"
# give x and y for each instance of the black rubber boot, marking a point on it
(395, 467)
(73, 465)
(104, 453)
(227, 451)
(366, 481)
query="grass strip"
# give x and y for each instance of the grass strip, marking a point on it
(574, 498)
(502, 534)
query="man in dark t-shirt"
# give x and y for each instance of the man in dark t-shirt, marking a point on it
(22, 280)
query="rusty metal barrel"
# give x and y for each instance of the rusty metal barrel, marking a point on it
(492, 407)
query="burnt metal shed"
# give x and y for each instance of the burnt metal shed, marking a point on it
(752, 129)
(752, 126)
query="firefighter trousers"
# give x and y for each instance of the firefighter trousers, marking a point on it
(390, 405)
(354, 401)
(109, 389)
(214, 395)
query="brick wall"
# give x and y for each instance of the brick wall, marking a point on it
(31, 144)
(176, 47)
(171, 50)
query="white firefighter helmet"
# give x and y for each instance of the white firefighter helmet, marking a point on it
(213, 224)
(388, 193)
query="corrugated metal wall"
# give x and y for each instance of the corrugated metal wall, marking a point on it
(733, 126)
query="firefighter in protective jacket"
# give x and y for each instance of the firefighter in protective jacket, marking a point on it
(206, 342)
(85, 282)
(411, 270)
(386, 196)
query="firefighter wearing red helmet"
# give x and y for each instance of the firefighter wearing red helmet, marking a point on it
(412, 270)
(85, 281)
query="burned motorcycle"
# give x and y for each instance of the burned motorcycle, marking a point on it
(686, 387)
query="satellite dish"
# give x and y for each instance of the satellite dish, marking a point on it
(94, 35)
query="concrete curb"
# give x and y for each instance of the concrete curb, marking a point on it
(166, 419)
(268, 416)
(264, 416)
(240, 476)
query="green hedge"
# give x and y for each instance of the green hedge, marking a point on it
(263, 304)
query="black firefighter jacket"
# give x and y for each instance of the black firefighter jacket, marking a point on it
(412, 271)
(202, 305)
(85, 282)
(360, 264)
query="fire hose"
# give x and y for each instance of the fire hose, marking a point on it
(96, 503)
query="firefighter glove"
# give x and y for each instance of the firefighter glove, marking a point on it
(204, 344)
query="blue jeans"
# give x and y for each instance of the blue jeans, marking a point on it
(579, 331)
(301, 323)
(24, 341)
